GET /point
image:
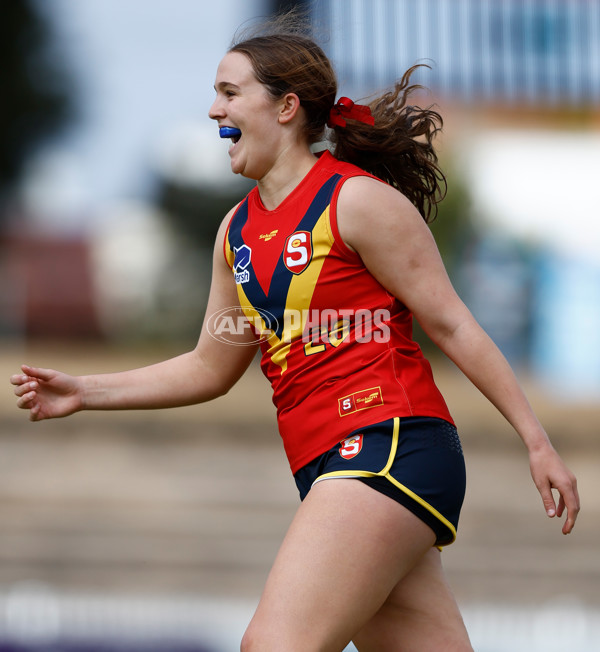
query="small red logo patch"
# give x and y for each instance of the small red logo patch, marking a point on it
(351, 447)
(363, 400)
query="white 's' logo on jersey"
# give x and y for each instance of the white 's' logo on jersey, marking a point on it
(298, 251)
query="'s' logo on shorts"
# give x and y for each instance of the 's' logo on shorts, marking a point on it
(363, 400)
(351, 447)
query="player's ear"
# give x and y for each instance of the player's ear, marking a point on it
(289, 105)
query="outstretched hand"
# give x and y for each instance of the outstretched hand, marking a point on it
(550, 472)
(46, 393)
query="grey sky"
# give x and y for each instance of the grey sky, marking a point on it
(142, 67)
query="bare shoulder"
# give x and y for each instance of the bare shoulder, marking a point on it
(371, 209)
(397, 247)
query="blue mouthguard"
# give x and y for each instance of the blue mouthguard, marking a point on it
(229, 132)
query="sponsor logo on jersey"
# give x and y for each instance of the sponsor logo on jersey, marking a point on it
(267, 236)
(351, 446)
(242, 255)
(362, 400)
(298, 251)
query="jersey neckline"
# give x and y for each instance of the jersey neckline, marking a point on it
(323, 158)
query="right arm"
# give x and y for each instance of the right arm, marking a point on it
(200, 375)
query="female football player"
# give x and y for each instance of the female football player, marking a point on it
(330, 257)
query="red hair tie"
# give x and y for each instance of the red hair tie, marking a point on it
(344, 109)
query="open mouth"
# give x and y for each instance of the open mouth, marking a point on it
(230, 132)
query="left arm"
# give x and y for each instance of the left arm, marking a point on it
(397, 247)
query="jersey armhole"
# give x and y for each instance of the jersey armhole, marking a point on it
(333, 221)
(226, 248)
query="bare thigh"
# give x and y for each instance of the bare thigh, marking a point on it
(345, 551)
(420, 615)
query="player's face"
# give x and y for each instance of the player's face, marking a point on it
(243, 102)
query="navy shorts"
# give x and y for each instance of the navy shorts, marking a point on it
(417, 461)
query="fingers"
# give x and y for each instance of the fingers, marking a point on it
(29, 401)
(548, 500)
(29, 380)
(550, 474)
(34, 412)
(561, 506)
(30, 374)
(38, 372)
(570, 498)
(18, 379)
(26, 394)
(26, 386)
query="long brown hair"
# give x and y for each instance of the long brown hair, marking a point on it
(398, 149)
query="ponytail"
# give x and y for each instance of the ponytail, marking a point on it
(398, 148)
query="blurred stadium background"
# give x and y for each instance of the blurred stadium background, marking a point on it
(154, 531)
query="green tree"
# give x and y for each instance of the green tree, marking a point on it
(36, 87)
